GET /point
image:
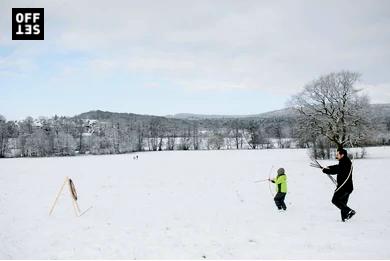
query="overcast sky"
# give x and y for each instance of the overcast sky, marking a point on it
(209, 57)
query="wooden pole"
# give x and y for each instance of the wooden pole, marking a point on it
(85, 211)
(58, 195)
(77, 205)
(74, 207)
(73, 201)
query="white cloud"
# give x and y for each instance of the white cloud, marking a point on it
(378, 93)
(274, 46)
(16, 65)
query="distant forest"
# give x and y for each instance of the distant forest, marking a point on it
(100, 132)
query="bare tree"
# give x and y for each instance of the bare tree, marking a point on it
(330, 106)
(153, 133)
(236, 127)
(171, 137)
(8, 130)
(37, 144)
(3, 136)
(79, 133)
(140, 133)
(64, 144)
(254, 135)
(185, 140)
(195, 135)
(215, 141)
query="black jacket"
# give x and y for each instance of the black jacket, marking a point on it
(342, 170)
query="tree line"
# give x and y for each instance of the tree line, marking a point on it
(66, 136)
(111, 133)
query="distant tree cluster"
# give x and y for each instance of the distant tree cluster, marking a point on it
(100, 132)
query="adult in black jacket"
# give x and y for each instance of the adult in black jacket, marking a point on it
(344, 183)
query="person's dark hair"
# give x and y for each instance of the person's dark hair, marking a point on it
(342, 151)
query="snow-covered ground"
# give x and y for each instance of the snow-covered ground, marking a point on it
(192, 205)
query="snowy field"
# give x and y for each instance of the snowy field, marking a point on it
(190, 205)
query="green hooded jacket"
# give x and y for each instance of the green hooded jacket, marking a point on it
(281, 183)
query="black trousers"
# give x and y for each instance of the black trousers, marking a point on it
(279, 200)
(340, 200)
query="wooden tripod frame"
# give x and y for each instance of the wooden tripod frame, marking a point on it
(74, 202)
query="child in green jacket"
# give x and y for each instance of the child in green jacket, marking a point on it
(281, 189)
